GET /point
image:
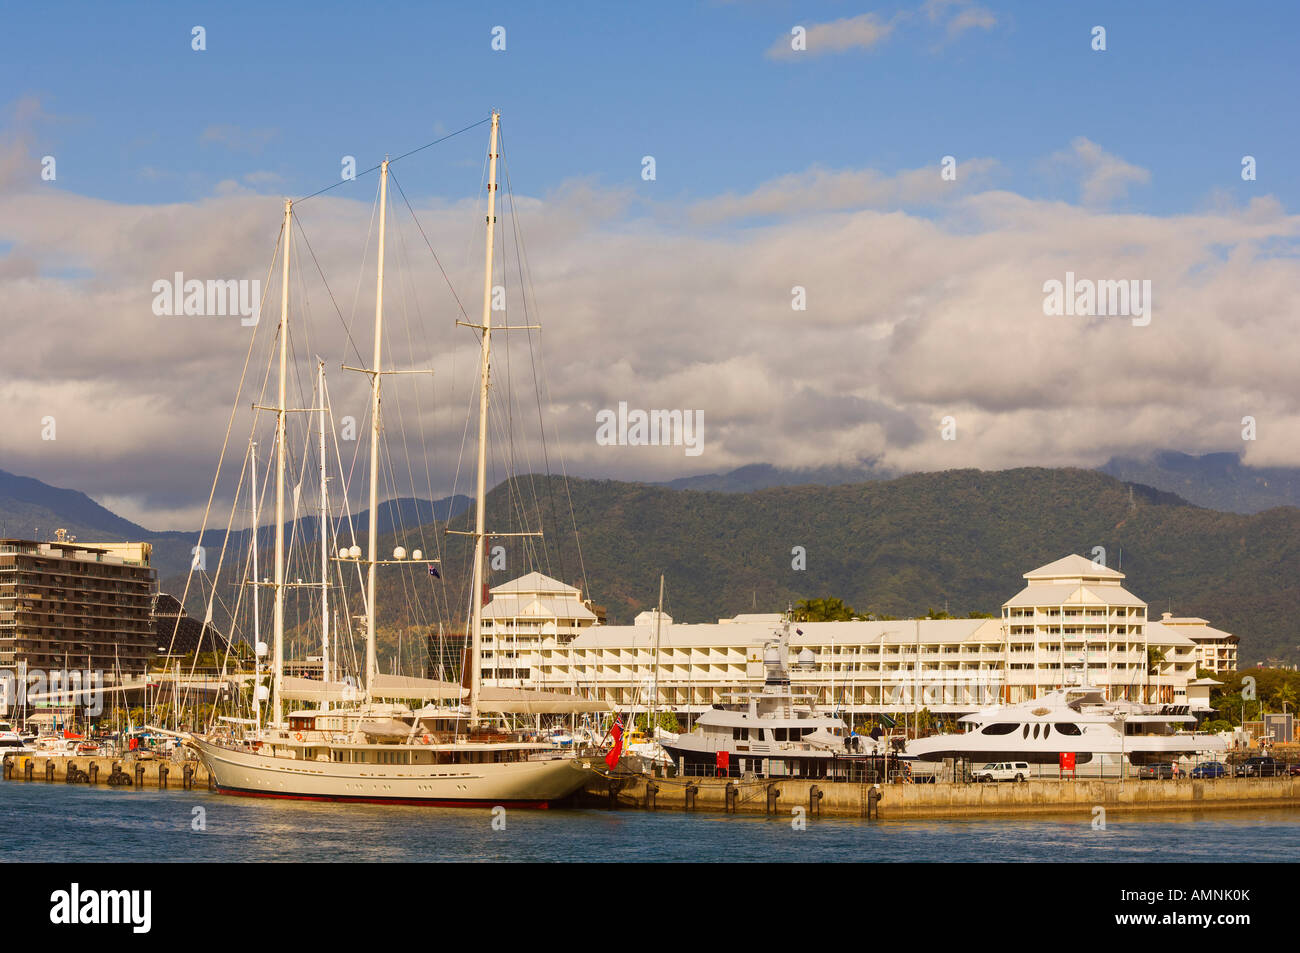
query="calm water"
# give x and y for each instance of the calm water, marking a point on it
(58, 822)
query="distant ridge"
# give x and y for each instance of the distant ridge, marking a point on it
(30, 508)
(761, 476)
(26, 504)
(1217, 481)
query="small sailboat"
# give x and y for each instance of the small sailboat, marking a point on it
(365, 744)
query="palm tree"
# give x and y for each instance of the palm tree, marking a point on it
(823, 610)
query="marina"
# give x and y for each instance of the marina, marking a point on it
(602, 789)
(71, 824)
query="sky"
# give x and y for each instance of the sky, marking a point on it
(922, 337)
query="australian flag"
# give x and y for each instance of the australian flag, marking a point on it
(433, 571)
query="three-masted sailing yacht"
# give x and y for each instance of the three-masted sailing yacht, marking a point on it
(373, 748)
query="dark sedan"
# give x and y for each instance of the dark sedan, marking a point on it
(1266, 767)
(1210, 769)
(1156, 770)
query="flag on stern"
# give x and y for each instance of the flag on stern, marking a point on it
(615, 752)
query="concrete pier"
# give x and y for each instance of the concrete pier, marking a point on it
(152, 773)
(905, 801)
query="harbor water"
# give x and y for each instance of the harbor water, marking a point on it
(74, 823)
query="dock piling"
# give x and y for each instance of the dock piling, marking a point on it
(162, 777)
(139, 774)
(692, 790)
(731, 792)
(92, 777)
(651, 789)
(29, 769)
(49, 771)
(772, 795)
(815, 795)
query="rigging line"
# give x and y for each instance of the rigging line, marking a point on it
(536, 554)
(527, 287)
(405, 273)
(374, 168)
(345, 516)
(436, 259)
(346, 327)
(229, 427)
(415, 614)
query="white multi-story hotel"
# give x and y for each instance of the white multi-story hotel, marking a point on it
(1073, 622)
(524, 614)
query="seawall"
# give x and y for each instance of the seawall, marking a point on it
(153, 772)
(899, 801)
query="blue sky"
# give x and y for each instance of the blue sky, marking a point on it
(1183, 90)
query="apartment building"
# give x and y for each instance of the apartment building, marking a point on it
(67, 605)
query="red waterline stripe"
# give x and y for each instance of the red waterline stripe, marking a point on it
(405, 802)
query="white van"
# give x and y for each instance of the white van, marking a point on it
(1002, 771)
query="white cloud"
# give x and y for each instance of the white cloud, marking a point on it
(864, 31)
(1104, 177)
(910, 318)
(958, 16)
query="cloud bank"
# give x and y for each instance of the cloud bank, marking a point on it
(924, 301)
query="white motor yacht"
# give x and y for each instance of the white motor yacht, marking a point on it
(1078, 721)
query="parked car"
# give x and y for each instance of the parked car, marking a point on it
(1263, 767)
(1002, 771)
(1156, 770)
(1293, 770)
(1210, 769)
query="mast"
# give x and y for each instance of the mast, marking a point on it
(280, 411)
(257, 637)
(476, 593)
(372, 552)
(326, 668)
(654, 681)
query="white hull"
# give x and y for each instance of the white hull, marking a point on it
(1094, 740)
(525, 783)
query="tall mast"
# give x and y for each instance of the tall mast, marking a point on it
(372, 552)
(326, 669)
(480, 531)
(280, 411)
(654, 691)
(257, 637)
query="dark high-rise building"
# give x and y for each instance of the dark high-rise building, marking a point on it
(67, 605)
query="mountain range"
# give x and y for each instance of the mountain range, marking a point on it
(957, 540)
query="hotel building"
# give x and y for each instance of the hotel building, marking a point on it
(1072, 623)
(66, 605)
(522, 617)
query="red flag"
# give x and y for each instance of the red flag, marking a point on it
(615, 752)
